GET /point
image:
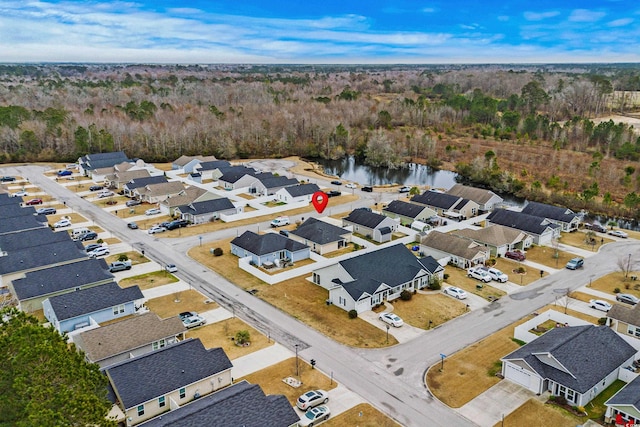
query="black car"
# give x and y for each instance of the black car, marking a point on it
(177, 224)
(336, 182)
(91, 247)
(333, 193)
(89, 236)
(285, 233)
(367, 189)
(46, 211)
(132, 225)
(96, 187)
(7, 179)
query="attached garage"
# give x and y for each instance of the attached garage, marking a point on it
(518, 375)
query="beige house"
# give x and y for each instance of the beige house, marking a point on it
(156, 193)
(625, 320)
(497, 238)
(188, 195)
(486, 199)
(452, 249)
(119, 179)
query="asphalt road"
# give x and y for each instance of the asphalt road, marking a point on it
(391, 379)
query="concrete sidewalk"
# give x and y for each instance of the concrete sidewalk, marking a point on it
(245, 365)
(169, 289)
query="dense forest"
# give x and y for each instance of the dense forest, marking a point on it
(535, 131)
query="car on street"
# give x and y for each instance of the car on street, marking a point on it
(191, 319)
(497, 275)
(351, 185)
(152, 211)
(312, 398)
(404, 189)
(65, 173)
(598, 304)
(89, 236)
(171, 268)
(336, 182)
(156, 229)
(98, 252)
(627, 298)
(33, 202)
(105, 193)
(96, 187)
(132, 225)
(131, 203)
(618, 233)
(516, 255)
(20, 194)
(334, 193)
(391, 319)
(479, 273)
(62, 223)
(575, 263)
(367, 189)
(92, 247)
(280, 221)
(455, 292)
(596, 227)
(46, 211)
(314, 416)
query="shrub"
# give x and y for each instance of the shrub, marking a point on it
(519, 342)
(521, 270)
(616, 291)
(561, 400)
(242, 337)
(435, 285)
(99, 241)
(495, 369)
(353, 314)
(445, 276)
(123, 257)
(405, 295)
(602, 321)
(218, 252)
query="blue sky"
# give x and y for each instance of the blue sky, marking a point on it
(320, 31)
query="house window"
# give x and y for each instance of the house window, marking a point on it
(632, 330)
(183, 393)
(161, 402)
(571, 395)
(118, 309)
(342, 301)
(159, 344)
(316, 278)
(140, 410)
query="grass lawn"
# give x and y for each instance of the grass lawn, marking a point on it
(74, 217)
(362, 415)
(615, 280)
(422, 308)
(535, 413)
(350, 247)
(163, 166)
(105, 202)
(507, 266)
(578, 239)
(171, 305)
(135, 258)
(112, 240)
(458, 278)
(149, 280)
(545, 255)
(220, 334)
(270, 379)
(596, 408)
(297, 297)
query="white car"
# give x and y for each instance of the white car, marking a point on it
(191, 319)
(351, 185)
(391, 319)
(618, 233)
(479, 273)
(20, 194)
(314, 415)
(62, 223)
(312, 398)
(102, 251)
(171, 268)
(156, 229)
(104, 194)
(598, 304)
(152, 211)
(455, 292)
(497, 275)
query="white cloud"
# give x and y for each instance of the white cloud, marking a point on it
(620, 22)
(539, 16)
(428, 10)
(585, 15)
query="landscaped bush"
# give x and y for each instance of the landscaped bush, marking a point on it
(242, 337)
(218, 252)
(123, 257)
(435, 285)
(353, 314)
(99, 241)
(616, 291)
(602, 321)
(445, 276)
(405, 295)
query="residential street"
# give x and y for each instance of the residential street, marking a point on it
(391, 379)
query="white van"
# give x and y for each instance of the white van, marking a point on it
(79, 232)
(280, 221)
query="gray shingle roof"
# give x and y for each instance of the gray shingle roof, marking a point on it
(365, 218)
(90, 300)
(241, 404)
(11, 210)
(627, 395)
(31, 238)
(409, 210)
(103, 160)
(55, 279)
(437, 199)
(46, 255)
(628, 315)
(10, 225)
(319, 232)
(147, 180)
(302, 189)
(528, 223)
(588, 352)
(6, 199)
(155, 374)
(212, 165)
(207, 206)
(496, 235)
(548, 211)
(478, 195)
(263, 244)
(234, 173)
(270, 180)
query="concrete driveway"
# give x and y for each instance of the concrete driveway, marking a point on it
(403, 334)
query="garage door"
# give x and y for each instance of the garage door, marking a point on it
(518, 375)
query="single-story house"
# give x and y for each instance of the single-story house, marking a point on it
(497, 238)
(625, 320)
(20, 223)
(30, 238)
(407, 212)
(157, 382)
(117, 180)
(576, 362)
(129, 338)
(188, 163)
(623, 408)
(206, 211)
(133, 184)
(487, 200)
(222, 409)
(267, 248)
(12, 210)
(364, 281)
(452, 249)
(374, 226)
(155, 193)
(190, 194)
(297, 193)
(212, 169)
(90, 306)
(264, 184)
(321, 236)
(230, 177)
(540, 229)
(89, 163)
(566, 218)
(447, 205)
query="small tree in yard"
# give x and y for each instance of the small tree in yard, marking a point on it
(123, 257)
(242, 337)
(405, 295)
(217, 252)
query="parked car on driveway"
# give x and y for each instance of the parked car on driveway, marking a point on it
(191, 319)
(176, 223)
(627, 298)
(92, 247)
(64, 173)
(131, 203)
(314, 415)
(336, 182)
(618, 233)
(152, 211)
(46, 211)
(156, 229)
(497, 275)
(517, 255)
(455, 292)
(101, 251)
(7, 179)
(132, 225)
(89, 236)
(598, 304)
(62, 223)
(20, 194)
(391, 319)
(479, 273)
(596, 227)
(119, 266)
(404, 189)
(575, 263)
(105, 193)
(96, 187)
(312, 398)
(33, 202)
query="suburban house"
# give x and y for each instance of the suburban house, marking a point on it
(487, 200)
(447, 205)
(133, 184)
(231, 176)
(103, 174)
(497, 238)
(264, 184)
(623, 408)
(625, 320)
(364, 281)
(117, 180)
(30, 238)
(321, 236)
(155, 193)
(163, 380)
(540, 229)
(452, 249)
(576, 362)
(221, 409)
(20, 223)
(11, 210)
(374, 226)
(206, 211)
(89, 163)
(564, 217)
(188, 163)
(91, 306)
(211, 169)
(189, 195)
(407, 212)
(36, 286)
(268, 248)
(129, 338)
(297, 193)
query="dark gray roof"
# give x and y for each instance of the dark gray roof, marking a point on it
(234, 173)
(365, 218)
(103, 160)
(461, 204)
(548, 211)
(241, 404)
(29, 222)
(12, 210)
(588, 352)
(146, 180)
(518, 220)
(56, 279)
(431, 264)
(215, 164)
(207, 206)
(154, 374)
(319, 232)
(270, 180)
(627, 395)
(263, 244)
(302, 189)
(437, 199)
(393, 265)
(409, 210)
(45, 255)
(31, 238)
(90, 300)
(6, 199)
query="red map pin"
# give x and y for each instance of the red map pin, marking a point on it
(320, 201)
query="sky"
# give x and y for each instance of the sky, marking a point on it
(320, 31)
